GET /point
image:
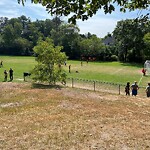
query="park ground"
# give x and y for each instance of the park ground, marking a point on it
(61, 118)
(113, 72)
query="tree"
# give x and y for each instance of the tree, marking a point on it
(70, 38)
(33, 33)
(25, 21)
(22, 47)
(92, 47)
(129, 38)
(49, 58)
(3, 23)
(1, 45)
(147, 42)
(83, 9)
(147, 38)
(8, 35)
(48, 26)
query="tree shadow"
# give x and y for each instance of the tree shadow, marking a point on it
(138, 65)
(45, 86)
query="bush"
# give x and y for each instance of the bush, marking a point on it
(114, 58)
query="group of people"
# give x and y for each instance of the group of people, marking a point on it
(10, 74)
(134, 87)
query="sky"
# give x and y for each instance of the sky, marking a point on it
(100, 24)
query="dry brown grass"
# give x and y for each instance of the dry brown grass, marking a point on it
(71, 119)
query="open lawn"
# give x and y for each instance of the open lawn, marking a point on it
(19, 64)
(113, 72)
(43, 118)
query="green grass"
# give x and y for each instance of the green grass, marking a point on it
(114, 72)
(19, 64)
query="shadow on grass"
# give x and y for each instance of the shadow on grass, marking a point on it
(133, 65)
(45, 86)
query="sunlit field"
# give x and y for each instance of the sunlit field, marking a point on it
(18, 64)
(113, 72)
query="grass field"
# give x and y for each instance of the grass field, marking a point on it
(18, 64)
(113, 72)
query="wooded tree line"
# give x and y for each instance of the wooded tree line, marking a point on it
(131, 39)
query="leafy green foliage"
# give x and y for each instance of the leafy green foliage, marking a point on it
(147, 42)
(49, 58)
(22, 46)
(81, 9)
(92, 46)
(129, 38)
(20, 29)
(147, 38)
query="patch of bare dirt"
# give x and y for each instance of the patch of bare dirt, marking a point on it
(71, 119)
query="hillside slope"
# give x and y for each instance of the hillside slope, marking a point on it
(41, 117)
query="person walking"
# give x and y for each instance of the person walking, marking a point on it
(134, 88)
(5, 75)
(11, 74)
(127, 88)
(148, 90)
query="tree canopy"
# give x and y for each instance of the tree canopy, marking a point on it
(81, 9)
(49, 58)
(129, 40)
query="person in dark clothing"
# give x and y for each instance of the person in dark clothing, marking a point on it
(69, 68)
(134, 88)
(127, 88)
(11, 74)
(5, 75)
(1, 64)
(148, 90)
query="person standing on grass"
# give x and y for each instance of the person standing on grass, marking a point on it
(148, 90)
(134, 88)
(144, 71)
(69, 68)
(1, 64)
(127, 88)
(11, 74)
(5, 75)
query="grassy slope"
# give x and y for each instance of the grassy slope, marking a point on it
(65, 119)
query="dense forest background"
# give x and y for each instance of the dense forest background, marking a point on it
(129, 42)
